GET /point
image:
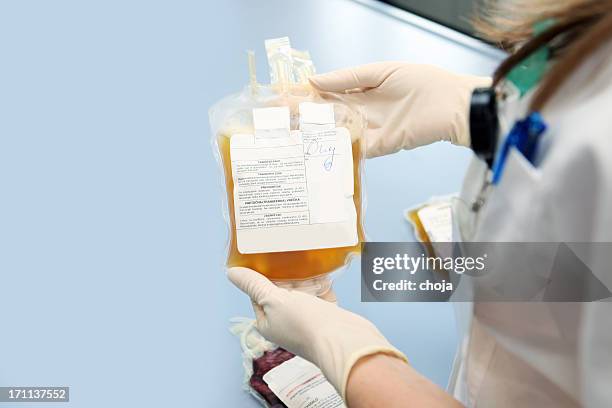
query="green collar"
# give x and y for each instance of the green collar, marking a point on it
(530, 71)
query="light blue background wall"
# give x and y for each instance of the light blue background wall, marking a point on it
(111, 230)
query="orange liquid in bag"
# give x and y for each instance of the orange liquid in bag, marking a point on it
(291, 265)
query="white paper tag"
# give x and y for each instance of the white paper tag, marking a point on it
(293, 190)
(437, 221)
(316, 116)
(271, 123)
(300, 384)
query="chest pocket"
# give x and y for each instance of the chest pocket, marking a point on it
(513, 211)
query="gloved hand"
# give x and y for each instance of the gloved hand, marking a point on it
(407, 105)
(317, 330)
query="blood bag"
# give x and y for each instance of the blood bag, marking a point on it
(292, 167)
(278, 378)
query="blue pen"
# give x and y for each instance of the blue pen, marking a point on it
(524, 136)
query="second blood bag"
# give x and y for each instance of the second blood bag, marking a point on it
(292, 165)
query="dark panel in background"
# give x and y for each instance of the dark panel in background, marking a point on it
(455, 14)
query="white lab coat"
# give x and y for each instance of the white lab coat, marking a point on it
(545, 354)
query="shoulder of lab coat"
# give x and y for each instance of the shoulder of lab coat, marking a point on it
(574, 162)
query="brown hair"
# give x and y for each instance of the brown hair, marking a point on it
(579, 27)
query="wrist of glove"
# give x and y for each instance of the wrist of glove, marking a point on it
(406, 105)
(332, 338)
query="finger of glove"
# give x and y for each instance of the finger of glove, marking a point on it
(254, 284)
(362, 77)
(342, 98)
(260, 318)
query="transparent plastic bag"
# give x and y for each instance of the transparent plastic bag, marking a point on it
(254, 347)
(293, 166)
(277, 378)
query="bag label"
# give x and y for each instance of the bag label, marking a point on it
(437, 221)
(293, 190)
(300, 384)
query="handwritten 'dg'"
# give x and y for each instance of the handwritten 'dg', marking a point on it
(317, 148)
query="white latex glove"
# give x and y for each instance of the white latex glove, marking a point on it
(406, 105)
(319, 331)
